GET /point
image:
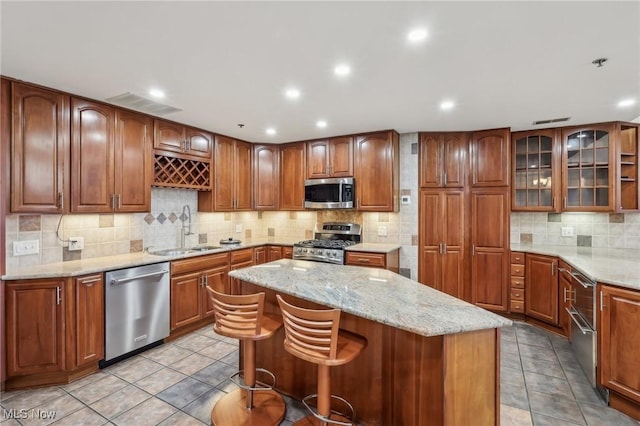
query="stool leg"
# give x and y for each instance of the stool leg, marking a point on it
(324, 391)
(249, 369)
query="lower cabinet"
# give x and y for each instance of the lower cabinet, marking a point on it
(54, 329)
(274, 253)
(242, 258)
(287, 252)
(517, 282)
(189, 279)
(373, 260)
(619, 346)
(260, 255)
(541, 294)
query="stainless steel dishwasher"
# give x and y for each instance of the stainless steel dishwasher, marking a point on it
(136, 308)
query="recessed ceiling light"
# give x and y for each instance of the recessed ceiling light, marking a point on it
(156, 93)
(417, 35)
(626, 103)
(271, 131)
(321, 124)
(447, 105)
(342, 70)
(292, 93)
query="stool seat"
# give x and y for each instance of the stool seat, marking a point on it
(242, 317)
(314, 336)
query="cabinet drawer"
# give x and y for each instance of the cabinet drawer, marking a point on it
(376, 260)
(517, 306)
(517, 282)
(517, 257)
(243, 255)
(517, 270)
(517, 294)
(199, 263)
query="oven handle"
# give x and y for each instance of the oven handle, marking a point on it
(586, 283)
(575, 316)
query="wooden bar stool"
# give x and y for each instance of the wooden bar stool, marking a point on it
(242, 317)
(314, 336)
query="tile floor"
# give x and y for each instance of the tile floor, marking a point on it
(178, 383)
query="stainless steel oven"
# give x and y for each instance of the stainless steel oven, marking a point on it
(584, 327)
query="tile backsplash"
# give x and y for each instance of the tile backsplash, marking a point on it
(603, 230)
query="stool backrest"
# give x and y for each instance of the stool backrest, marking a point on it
(310, 332)
(237, 315)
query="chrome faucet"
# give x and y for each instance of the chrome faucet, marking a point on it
(184, 232)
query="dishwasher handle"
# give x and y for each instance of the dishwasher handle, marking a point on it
(116, 281)
(577, 319)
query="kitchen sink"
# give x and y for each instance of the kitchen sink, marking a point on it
(205, 248)
(180, 251)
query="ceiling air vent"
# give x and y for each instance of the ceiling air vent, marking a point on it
(138, 103)
(552, 120)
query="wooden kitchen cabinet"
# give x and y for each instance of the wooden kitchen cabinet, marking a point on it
(287, 252)
(266, 177)
(232, 186)
(293, 165)
(40, 150)
(517, 288)
(490, 248)
(330, 158)
(628, 189)
(619, 346)
(376, 172)
(566, 297)
(260, 255)
(443, 157)
(89, 319)
(35, 326)
(110, 159)
(490, 159)
(190, 305)
(374, 260)
(536, 171)
(541, 295)
(239, 259)
(442, 241)
(175, 137)
(274, 253)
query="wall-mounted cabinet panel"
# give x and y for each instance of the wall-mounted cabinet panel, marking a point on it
(628, 189)
(377, 183)
(443, 159)
(266, 177)
(489, 152)
(293, 163)
(175, 137)
(330, 158)
(40, 150)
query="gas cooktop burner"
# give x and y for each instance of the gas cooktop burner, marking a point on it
(333, 244)
(329, 244)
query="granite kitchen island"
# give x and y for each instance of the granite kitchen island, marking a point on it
(431, 359)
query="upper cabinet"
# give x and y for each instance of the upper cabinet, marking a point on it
(175, 137)
(293, 163)
(40, 150)
(330, 158)
(266, 177)
(591, 168)
(489, 151)
(443, 159)
(376, 169)
(536, 170)
(110, 159)
(232, 177)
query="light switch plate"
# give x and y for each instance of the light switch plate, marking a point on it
(21, 248)
(567, 231)
(382, 231)
(76, 243)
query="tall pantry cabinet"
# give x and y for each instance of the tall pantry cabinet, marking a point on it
(464, 215)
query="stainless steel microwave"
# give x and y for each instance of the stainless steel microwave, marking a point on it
(330, 193)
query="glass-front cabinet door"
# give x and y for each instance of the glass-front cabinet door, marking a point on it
(536, 171)
(588, 160)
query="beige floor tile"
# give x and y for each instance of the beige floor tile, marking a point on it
(84, 417)
(92, 378)
(218, 350)
(510, 416)
(160, 380)
(135, 370)
(169, 356)
(33, 398)
(181, 419)
(194, 342)
(192, 363)
(54, 410)
(149, 413)
(120, 401)
(96, 391)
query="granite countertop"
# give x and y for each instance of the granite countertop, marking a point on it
(619, 267)
(109, 263)
(376, 294)
(374, 247)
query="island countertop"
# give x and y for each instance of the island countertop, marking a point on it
(375, 294)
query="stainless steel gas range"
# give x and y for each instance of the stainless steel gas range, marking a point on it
(329, 243)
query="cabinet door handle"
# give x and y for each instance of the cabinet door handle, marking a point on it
(362, 259)
(113, 201)
(602, 306)
(554, 202)
(445, 179)
(444, 246)
(61, 200)
(90, 282)
(58, 295)
(119, 201)
(564, 202)
(473, 250)
(553, 268)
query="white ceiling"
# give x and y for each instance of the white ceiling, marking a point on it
(505, 64)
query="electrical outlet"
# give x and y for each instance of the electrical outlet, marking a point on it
(382, 231)
(405, 199)
(567, 231)
(238, 229)
(76, 243)
(21, 248)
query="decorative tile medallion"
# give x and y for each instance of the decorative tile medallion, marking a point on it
(161, 218)
(149, 218)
